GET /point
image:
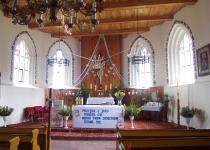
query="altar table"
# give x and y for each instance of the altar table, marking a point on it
(98, 116)
(100, 100)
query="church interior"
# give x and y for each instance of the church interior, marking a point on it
(104, 74)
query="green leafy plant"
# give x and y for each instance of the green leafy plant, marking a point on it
(132, 108)
(5, 110)
(65, 111)
(187, 112)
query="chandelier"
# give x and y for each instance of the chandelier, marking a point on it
(69, 13)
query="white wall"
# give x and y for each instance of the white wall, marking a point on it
(21, 97)
(198, 19)
(198, 94)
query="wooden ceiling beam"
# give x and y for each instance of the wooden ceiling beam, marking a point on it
(107, 32)
(144, 3)
(113, 20)
(135, 18)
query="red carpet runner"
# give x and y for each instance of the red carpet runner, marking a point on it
(96, 134)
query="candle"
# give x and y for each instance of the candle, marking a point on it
(110, 86)
(132, 93)
(177, 89)
(91, 86)
(105, 87)
(95, 87)
(188, 95)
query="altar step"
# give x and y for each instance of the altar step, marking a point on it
(83, 134)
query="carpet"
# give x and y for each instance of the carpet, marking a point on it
(96, 134)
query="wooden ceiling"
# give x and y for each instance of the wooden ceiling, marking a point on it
(123, 17)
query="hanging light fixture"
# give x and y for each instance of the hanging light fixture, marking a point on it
(69, 12)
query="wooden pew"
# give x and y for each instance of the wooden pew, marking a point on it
(28, 138)
(8, 142)
(163, 139)
(42, 137)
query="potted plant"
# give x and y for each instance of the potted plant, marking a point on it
(132, 110)
(187, 113)
(65, 112)
(4, 112)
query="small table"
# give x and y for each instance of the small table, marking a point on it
(152, 111)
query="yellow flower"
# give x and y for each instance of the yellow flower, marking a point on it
(119, 94)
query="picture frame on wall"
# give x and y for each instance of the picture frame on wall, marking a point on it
(203, 60)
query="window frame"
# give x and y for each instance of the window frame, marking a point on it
(144, 43)
(68, 54)
(175, 37)
(29, 42)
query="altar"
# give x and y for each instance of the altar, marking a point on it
(100, 100)
(98, 116)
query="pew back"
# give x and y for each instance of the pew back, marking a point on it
(28, 138)
(42, 136)
(163, 139)
(8, 142)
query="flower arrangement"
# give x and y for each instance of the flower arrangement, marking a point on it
(119, 96)
(5, 110)
(65, 111)
(132, 109)
(187, 112)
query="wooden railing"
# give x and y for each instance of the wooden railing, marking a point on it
(170, 139)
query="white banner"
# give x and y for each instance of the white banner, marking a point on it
(98, 116)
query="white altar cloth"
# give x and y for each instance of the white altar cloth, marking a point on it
(98, 116)
(100, 100)
(152, 106)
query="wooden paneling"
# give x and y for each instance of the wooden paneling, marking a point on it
(110, 78)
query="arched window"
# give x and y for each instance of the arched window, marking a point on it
(21, 63)
(180, 55)
(59, 65)
(23, 66)
(140, 64)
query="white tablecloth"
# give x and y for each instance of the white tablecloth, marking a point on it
(152, 106)
(98, 116)
(100, 100)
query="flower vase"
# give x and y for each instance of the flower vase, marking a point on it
(119, 101)
(188, 123)
(66, 121)
(5, 121)
(132, 119)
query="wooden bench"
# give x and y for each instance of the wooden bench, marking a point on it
(42, 137)
(28, 138)
(163, 139)
(8, 142)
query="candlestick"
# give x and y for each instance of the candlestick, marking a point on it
(178, 105)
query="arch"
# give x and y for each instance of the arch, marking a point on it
(142, 41)
(176, 35)
(24, 35)
(66, 51)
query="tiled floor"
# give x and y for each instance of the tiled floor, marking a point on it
(83, 145)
